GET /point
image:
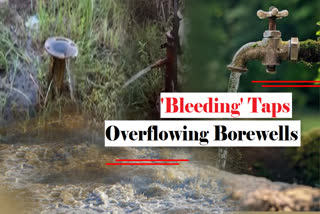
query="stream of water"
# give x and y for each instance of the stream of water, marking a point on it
(233, 86)
(234, 81)
(137, 76)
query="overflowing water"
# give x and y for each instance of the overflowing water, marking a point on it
(137, 76)
(233, 86)
(62, 167)
(234, 81)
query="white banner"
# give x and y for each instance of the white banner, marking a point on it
(195, 133)
(226, 105)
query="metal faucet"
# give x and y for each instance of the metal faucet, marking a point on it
(272, 50)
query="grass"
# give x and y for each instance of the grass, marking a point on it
(113, 44)
(10, 58)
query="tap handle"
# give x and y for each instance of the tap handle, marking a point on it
(272, 13)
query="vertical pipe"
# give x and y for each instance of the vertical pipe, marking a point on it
(57, 72)
(272, 23)
(171, 66)
(171, 81)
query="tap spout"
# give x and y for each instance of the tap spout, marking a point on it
(269, 51)
(249, 51)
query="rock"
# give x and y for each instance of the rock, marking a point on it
(261, 194)
(237, 194)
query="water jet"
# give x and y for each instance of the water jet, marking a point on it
(170, 62)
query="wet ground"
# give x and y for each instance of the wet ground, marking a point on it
(61, 166)
(57, 164)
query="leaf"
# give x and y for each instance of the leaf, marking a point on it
(318, 23)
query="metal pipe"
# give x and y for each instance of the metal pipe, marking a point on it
(171, 65)
(60, 49)
(271, 51)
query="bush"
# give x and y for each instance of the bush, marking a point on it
(116, 39)
(305, 159)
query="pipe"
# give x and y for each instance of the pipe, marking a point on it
(309, 51)
(60, 49)
(171, 64)
(269, 51)
(272, 50)
(249, 51)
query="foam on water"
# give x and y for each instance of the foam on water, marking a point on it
(70, 175)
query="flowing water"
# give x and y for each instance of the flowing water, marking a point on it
(61, 166)
(137, 76)
(234, 81)
(233, 86)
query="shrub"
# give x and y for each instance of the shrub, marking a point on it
(305, 159)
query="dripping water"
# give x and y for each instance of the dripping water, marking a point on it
(234, 81)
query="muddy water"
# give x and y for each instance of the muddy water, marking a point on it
(61, 165)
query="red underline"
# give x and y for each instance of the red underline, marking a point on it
(287, 86)
(152, 160)
(276, 81)
(135, 164)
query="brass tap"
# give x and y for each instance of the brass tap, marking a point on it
(273, 37)
(271, 50)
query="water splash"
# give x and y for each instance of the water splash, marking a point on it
(137, 76)
(234, 81)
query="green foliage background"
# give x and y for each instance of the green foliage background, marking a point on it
(305, 159)
(220, 28)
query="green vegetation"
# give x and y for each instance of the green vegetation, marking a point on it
(220, 28)
(115, 41)
(115, 38)
(224, 26)
(318, 35)
(10, 57)
(305, 159)
(308, 121)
